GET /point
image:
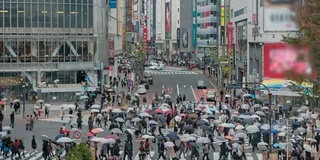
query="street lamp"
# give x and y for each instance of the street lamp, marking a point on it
(24, 75)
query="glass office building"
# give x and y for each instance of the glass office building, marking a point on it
(52, 45)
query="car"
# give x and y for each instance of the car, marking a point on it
(149, 78)
(201, 85)
(211, 96)
(141, 89)
(156, 67)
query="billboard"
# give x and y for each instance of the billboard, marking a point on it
(222, 16)
(113, 4)
(185, 40)
(230, 38)
(281, 59)
(168, 15)
(279, 15)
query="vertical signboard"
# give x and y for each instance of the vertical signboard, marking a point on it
(194, 23)
(178, 38)
(230, 38)
(280, 15)
(113, 4)
(168, 19)
(111, 42)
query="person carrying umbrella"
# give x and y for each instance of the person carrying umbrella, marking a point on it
(194, 151)
(206, 149)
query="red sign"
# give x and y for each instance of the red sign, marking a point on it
(111, 54)
(281, 59)
(110, 68)
(230, 38)
(76, 134)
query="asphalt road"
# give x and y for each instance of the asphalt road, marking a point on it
(180, 83)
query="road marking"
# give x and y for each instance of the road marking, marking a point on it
(147, 157)
(194, 95)
(36, 156)
(178, 91)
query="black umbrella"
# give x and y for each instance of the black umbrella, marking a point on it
(160, 137)
(173, 136)
(189, 129)
(247, 121)
(201, 122)
(211, 116)
(204, 127)
(194, 145)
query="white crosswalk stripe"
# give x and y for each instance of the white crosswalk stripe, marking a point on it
(249, 156)
(37, 155)
(171, 72)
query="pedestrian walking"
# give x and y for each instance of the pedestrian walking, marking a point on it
(12, 119)
(31, 123)
(62, 113)
(46, 112)
(33, 144)
(27, 122)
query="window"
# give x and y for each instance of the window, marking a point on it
(261, 3)
(231, 13)
(178, 21)
(178, 10)
(214, 2)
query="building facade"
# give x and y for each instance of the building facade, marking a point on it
(56, 46)
(253, 27)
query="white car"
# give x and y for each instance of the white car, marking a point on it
(141, 89)
(156, 67)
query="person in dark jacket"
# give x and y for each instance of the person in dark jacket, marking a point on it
(45, 150)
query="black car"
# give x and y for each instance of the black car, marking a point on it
(201, 85)
(149, 78)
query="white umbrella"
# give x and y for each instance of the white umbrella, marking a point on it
(314, 116)
(84, 97)
(4, 99)
(301, 129)
(204, 117)
(119, 119)
(217, 122)
(136, 119)
(227, 96)
(227, 125)
(252, 129)
(304, 108)
(117, 110)
(36, 107)
(282, 134)
(239, 127)
(177, 118)
(105, 110)
(64, 140)
(6, 128)
(260, 113)
(169, 144)
(16, 100)
(265, 127)
(95, 106)
(311, 140)
(192, 138)
(245, 116)
(95, 111)
(184, 139)
(130, 131)
(116, 131)
(241, 135)
(152, 122)
(262, 144)
(47, 105)
(245, 106)
(144, 114)
(40, 101)
(109, 141)
(147, 137)
(3, 134)
(167, 96)
(256, 106)
(308, 148)
(255, 117)
(203, 140)
(72, 106)
(95, 139)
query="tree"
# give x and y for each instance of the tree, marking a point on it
(80, 151)
(225, 69)
(308, 20)
(127, 46)
(139, 57)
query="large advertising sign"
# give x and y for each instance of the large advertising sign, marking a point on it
(279, 15)
(230, 38)
(168, 15)
(113, 4)
(281, 59)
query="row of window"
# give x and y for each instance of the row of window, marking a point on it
(207, 36)
(240, 12)
(207, 14)
(207, 25)
(51, 1)
(207, 2)
(46, 15)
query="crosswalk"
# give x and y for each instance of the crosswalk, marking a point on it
(36, 155)
(171, 72)
(249, 156)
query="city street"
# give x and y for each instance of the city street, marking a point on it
(180, 81)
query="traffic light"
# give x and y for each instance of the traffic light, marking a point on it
(307, 92)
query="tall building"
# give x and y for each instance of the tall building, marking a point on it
(53, 46)
(167, 24)
(207, 23)
(256, 27)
